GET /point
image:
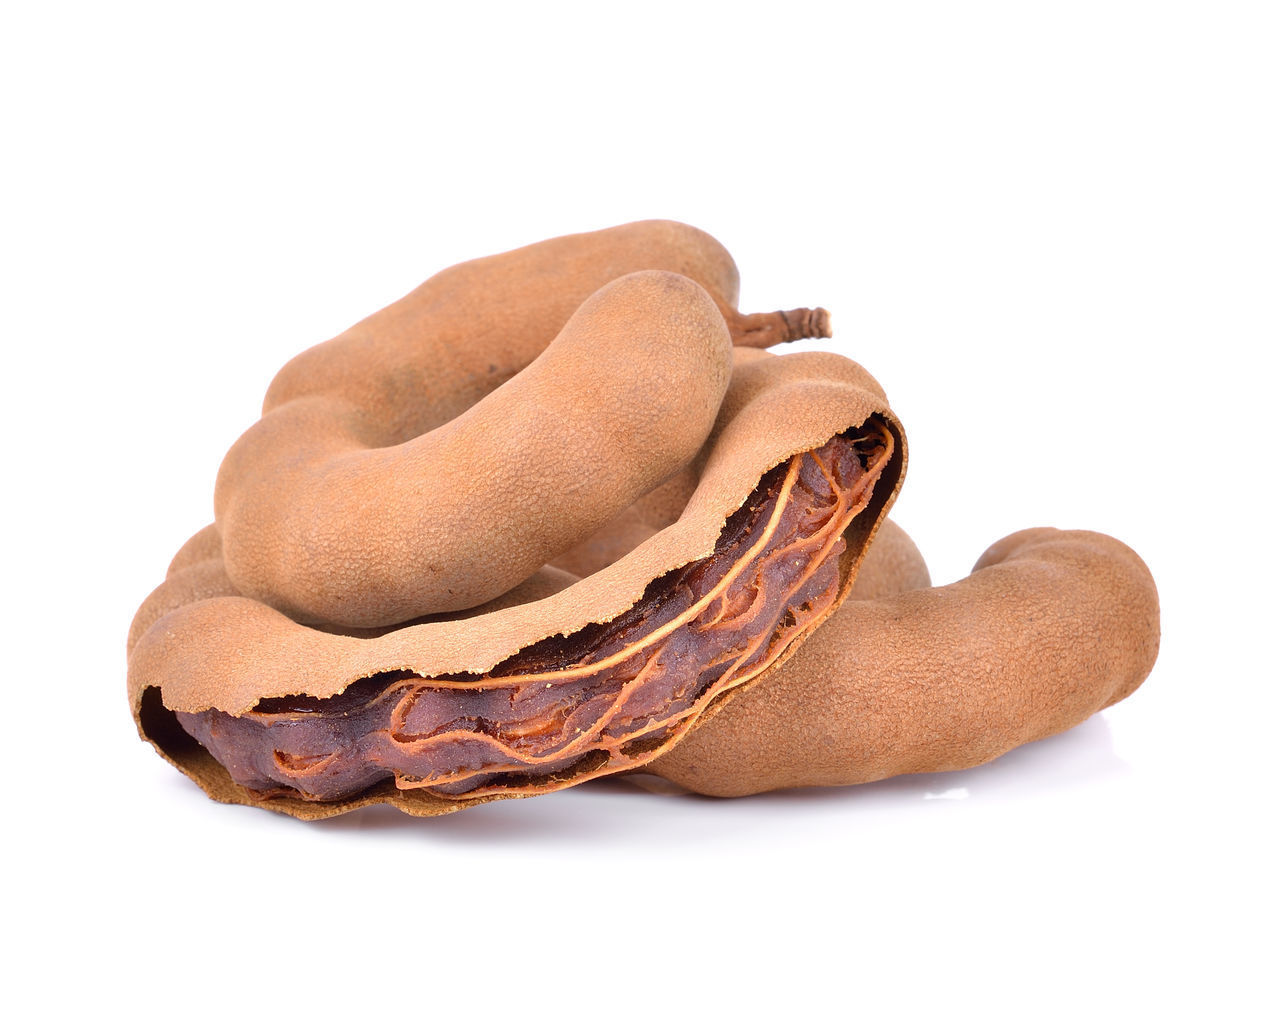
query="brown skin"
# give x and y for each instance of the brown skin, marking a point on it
(820, 720)
(353, 406)
(893, 564)
(323, 521)
(433, 354)
(1051, 627)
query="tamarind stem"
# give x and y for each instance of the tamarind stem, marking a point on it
(769, 328)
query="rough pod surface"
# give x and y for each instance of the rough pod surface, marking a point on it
(324, 520)
(326, 508)
(1051, 627)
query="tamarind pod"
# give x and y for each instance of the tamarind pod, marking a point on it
(650, 513)
(663, 505)
(232, 653)
(893, 564)
(207, 578)
(203, 545)
(619, 536)
(429, 356)
(321, 525)
(710, 627)
(196, 581)
(195, 574)
(1050, 627)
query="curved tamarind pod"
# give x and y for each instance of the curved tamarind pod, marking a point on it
(1050, 627)
(200, 547)
(429, 356)
(893, 564)
(603, 676)
(621, 535)
(206, 577)
(196, 581)
(653, 511)
(319, 521)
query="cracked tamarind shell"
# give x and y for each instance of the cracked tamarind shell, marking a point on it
(200, 649)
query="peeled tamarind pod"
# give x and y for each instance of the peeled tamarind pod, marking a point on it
(1050, 627)
(322, 521)
(600, 676)
(429, 356)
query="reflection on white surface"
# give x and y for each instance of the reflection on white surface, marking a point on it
(950, 793)
(1076, 757)
(1070, 762)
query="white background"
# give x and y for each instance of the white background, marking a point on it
(1050, 230)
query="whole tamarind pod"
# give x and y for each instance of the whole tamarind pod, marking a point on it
(432, 354)
(410, 369)
(321, 521)
(596, 677)
(198, 574)
(1050, 627)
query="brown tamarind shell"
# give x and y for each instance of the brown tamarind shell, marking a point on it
(327, 515)
(198, 646)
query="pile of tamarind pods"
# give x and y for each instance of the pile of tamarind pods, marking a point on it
(558, 514)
